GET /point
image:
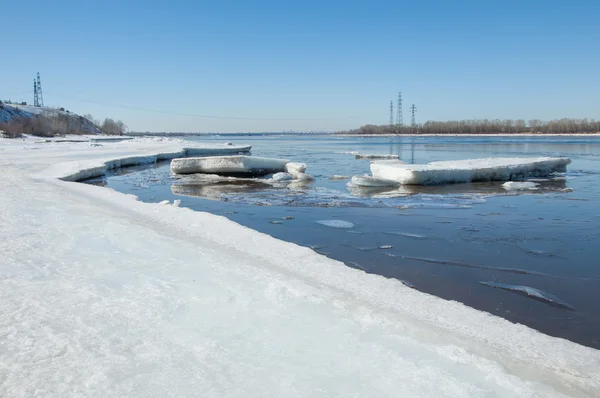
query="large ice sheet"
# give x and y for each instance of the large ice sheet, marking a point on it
(228, 165)
(471, 170)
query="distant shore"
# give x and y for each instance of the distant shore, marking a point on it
(474, 135)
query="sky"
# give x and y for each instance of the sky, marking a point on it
(240, 66)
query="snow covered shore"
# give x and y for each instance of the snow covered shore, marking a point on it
(103, 295)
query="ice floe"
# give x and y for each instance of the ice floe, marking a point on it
(239, 165)
(336, 223)
(533, 293)
(375, 156)
(282, 176)
(520, 185)
(367, 181)
(471, 170)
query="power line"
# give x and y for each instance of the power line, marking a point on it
(195, 114)
(391, 113)
(7, 96)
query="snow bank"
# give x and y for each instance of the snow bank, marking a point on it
(457, 171)
(228, 165)
(103, 295)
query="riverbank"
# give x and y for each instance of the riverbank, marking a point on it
(106, 295)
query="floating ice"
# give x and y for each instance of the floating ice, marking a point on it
(304, 177)
(531, 292)
(228, 165)
(366, 181)
(282, 176)
(456, 171)
(520, 185)
(226, 149)
(375, 156)
(336, 223)
(295, 169)
(407, 234)
(338, 177)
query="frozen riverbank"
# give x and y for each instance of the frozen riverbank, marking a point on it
(105, 295)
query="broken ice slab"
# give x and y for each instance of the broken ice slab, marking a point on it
(470, 170)
(239, 166)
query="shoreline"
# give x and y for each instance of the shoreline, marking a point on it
(288, 278)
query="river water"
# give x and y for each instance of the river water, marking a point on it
(531, 257)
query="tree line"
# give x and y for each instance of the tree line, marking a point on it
(485, 126)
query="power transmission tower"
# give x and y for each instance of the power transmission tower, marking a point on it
(39, 91)
(413, 121)
(36, 101)
(399, 121)
(391, 113)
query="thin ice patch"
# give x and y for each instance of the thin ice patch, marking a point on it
(533, 293)
(336, 224)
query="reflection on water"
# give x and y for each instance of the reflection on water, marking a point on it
(246, 191)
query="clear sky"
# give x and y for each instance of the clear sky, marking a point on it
(303, 65)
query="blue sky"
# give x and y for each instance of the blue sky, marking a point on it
(304, 65)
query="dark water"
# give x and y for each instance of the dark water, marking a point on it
(531, 257)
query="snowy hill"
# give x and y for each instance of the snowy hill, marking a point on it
(43, 120)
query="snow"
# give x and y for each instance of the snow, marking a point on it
(366, 181)
(336, 223)
(520, 185)
(457, 171)
(224, 165)
(103, 295)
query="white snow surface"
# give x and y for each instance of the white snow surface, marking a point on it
(228, 164)
(103, 295)
(457, 171)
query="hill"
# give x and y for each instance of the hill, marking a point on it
(26, 119)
